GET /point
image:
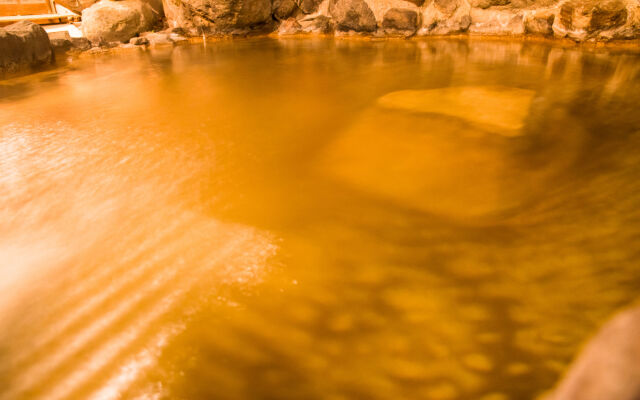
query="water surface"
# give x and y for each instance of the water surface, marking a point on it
(315, 219)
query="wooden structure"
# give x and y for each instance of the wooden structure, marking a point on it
(38, 11)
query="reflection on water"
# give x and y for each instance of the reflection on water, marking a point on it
(315, 219)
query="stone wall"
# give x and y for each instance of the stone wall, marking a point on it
(580, 20)
(108, 22)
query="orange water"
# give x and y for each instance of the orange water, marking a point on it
(315, 219)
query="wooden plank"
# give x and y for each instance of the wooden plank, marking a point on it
(24, 9)
(74, 5)
(40, 19)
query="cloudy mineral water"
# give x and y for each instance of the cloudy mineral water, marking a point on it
(315, 219)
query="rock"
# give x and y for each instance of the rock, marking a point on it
(282, 9)
(289, 27)
(59, 35)
(24, 45)
(96, 50)
(60, 41)
(535, 3)
(177, 38)
(607, 15)
(320, 24)
(489, 3)
(81, 43)
(496, 22)
(445, 17)
(76, 5)
(418, 3)
(497, 109)
(217, 16)
(352, 15)
(139, 41)
(539, 24)
(176, 30)
(165, 37)
(400, 21)
(61, 45)
(158, 38)
(603, 19)
(118, 21)
(309, 6)
(414, 147)
(446, 6)
(609, 365)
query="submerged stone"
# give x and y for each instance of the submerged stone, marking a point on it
(459, 153)
(424, 162)
(498, 108)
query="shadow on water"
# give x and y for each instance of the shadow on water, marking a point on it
(252, 220)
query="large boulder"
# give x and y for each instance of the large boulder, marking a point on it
(400, 21)
(599, 19)
(282, 9)
(413, 146)
(443, 17)
(496, 22)
(118, 21)
(609, 366)
(352, 15)
(308, 6)
(216, 16)
(23, 45)
(320, 24)
(289, 27)
(539, 22)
